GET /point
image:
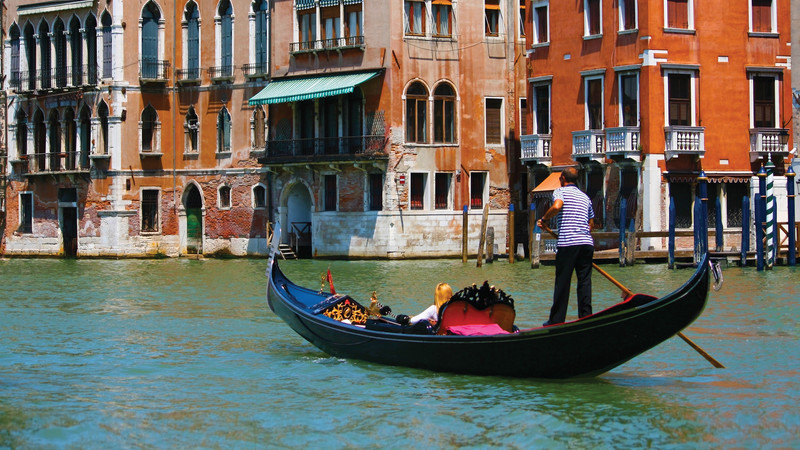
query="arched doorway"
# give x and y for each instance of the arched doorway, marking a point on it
(297, 207)
(193, 203)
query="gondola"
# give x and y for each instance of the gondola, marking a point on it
(582, 348)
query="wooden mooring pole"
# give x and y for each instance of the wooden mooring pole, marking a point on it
(511, 233)
(482, 242)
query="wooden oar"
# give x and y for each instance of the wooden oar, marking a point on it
(628, 293)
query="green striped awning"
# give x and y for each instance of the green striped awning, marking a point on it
(304, 4)
(295, 90)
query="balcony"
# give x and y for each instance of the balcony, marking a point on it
(335, 44)
(55, 163)
(623, 142)
(589, 144)
(221, 73)
(325, 150)
(684, 140)
(188, 76)
(765, 142)
(258, 70)
(536, 148)
(153, 71)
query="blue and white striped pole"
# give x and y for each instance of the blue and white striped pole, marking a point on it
(770, 216)
(791, 226)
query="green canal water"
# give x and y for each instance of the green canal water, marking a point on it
(183, 353)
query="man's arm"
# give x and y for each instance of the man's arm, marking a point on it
(551, 212)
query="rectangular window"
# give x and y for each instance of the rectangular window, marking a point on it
(150, 220)
(442, 12)
(593, 17)
(353, 21)
(477, 187)
(442, 191)
(259, 197)
(711, 218)
(629, 99)
(541, 33)
(331, 24)
(761, 11)
(542, 104)
(627, 14)
(26, 212)
(523, 116)
(308, 29)
(329, 202)
(494, 122)
(415, 120)
(678, 14)
(417, 194)
(415, 17)
(492, 17)
(735, 194)
(224, 197)
(764, 102)
(375, 188)
(683, 199)
(680, 99)
(522, 13)
(594, 103)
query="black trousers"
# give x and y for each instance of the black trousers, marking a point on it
(577, 258)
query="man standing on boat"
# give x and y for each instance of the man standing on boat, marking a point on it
(575, 249)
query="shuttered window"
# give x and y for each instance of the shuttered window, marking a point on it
(226, 34)
(261, 10)
(193, 39)
(444, 114)
(628, 14)
(593, 17)
(679, 99)
(494, 126)
(764, 102)
(107, 48)
(594, 102)
(678, 13)
(541, 33)
(762, 16)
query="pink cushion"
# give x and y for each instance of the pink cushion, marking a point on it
(476, 330)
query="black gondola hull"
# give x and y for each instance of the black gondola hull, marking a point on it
(585, 347)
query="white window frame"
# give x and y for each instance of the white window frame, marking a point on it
(185, 35)
(523, 112)
(621, 115)
(586, 28)
(751, 74)
(535, 23)
(502, 121)
(521, 20)
(773, 19)
(251, 25)
(158, 210)
(450, 203)
(622, 12)
(155, 149)
(33, 207)
(534, 107)
(263, 186)
(689, 17)
(187, 144)
(693, 73)
(429, 24)
(586, 79)
(485, 193)
(219, 197)
(500, 21)
(426, 190)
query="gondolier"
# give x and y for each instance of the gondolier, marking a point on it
(575, 248)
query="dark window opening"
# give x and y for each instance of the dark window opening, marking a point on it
(26, 212)
(542, 94)
(630, 112)
(417, 194)
(330, 193)
(375, 191)
(594, 103)
(260, 197)
(224, 197)
(593, 17)
(149, 210)
(682, 197)
(736, 192)
(679, 99)
(444, 115)
(442, 190)
(477, 184)
(541, 24)
(764, 102)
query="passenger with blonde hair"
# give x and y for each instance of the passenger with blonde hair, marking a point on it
(441, 295)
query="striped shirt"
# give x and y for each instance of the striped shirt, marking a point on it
(573, 220)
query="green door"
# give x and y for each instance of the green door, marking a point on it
(194, 230)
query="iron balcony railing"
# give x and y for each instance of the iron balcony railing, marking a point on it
(220, 72)
(327, 44)
(191, 74)
(254, 70)
(622, 141)
(684, 140)
(767, 141)
(536, 148)
(154, 69)
(63, 162)
(326, 147)
(588, 144)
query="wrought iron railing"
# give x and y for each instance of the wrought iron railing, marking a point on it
(188, 74)
(154, 69)
(217, 72)
(328, 146)
(255, 69)
(327, 44)
(47, 163)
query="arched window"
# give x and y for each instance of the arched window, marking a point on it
(30, 55)
(70, 139)
(39, 141)
(149, 127)
(54, 139)
(22, 133)
(224, 131)
(444, 114)
(60, 45)
(108, 49)
(76, 49)
(261, 11)
(192, 17)
(259, 128)
(224, 197)
(44, 45)
(84, 134)
(13, 36)
(150, 17)
(192, 131)
(416, 113)
(225, 12)
(91, 50)
(102, 113)
(259, 197)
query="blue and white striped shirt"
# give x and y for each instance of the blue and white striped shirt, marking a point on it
(573, 220)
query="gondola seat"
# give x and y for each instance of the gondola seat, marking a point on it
(458, 313)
